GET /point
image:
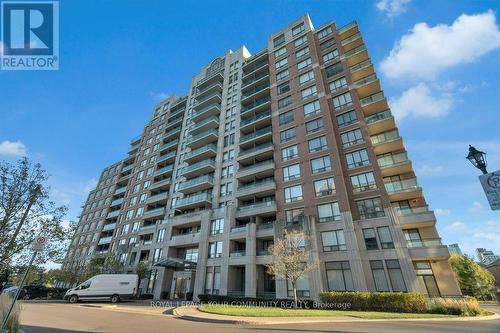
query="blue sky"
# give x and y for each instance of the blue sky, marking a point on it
(438, 62)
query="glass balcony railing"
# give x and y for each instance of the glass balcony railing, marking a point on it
(405, 211)
(202, 135)
(163, 170)
(199, 101)
(266, 114)
(196, 181)
(364, 81)
(350, 39)
(385, 137)
(361, 65)
(121, 190)
(193, 199)
(405, 185)
(386, 114)
(245, 152)
(354, 51)
(256, 103)
(372, 99)
(128, 167)
(254, 79)
(154, 212)
(217, 85)
(169, 144)
(205, 121)
(160, 183)
(114, 213)
(394, 159)
(109, 226)
(200, 150)
(117, 202)
(253, 135)
(167, 156)
(239, 228)
(347, 27)
(250, 69)
(255, 90)
(198, 165)
(265, 225)
(257, 205)
(172, 132)
(241, 253)
(422, 243)
(256, 184)
(267, 163)
(105, 240)
(211, 107)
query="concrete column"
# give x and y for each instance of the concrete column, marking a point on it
(201, 266)
(250, 266)
(354, 253)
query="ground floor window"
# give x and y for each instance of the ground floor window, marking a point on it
(212, 280)
(302, 286)
(379, 277)
(395, 275)
(426, 279)
(339, 276)
(152, 281)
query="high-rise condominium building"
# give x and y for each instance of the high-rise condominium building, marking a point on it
(298, 135)
(485, 256)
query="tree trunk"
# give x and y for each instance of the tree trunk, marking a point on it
(294, 295)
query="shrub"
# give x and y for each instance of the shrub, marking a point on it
(377, 301)
(467, 306)
(255, 301)
(13, 323)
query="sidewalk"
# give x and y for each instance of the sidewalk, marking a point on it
(193, 314)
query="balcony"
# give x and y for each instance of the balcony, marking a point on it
(259, 120)
(185, 239)
(263, 208)
(380, 122)
(426, 249)
(261, 169)
(403, 189)
(112, 214)
(169, 144)
(121, 190)
(394, 164)
(165, 183)
(215, 77)
(175, 121)
(262, 188)
(194, 201)
(105, 240)
(128, 167)
(361, 70)
(169, 157)
(348, 29)
(255, 93)
(416, 217)
(171, 133)
(211, 110)
(196, 184)
(147, 229)
(254, 80)
(207, 123)
(207, 100)
(116, 202)
(204, 152)
(109, 226)
(254, 68)
(157, 197)
(240, 253)
(255, 106)
(211, 88)
(264, 151)
(259, 136)
(157, 212)
(166, 170)
(352, 42)
(387, 142)
(198, 168)
(356, 55)
(367, 86)
(136, 140)
(203, 138)
(239, 229)
(374, 103)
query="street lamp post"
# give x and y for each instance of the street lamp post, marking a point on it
(477, 158)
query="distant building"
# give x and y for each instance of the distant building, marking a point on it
(494, 268)
(486, 257)
(454, 249)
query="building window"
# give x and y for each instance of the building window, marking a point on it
(302, 287)
(412, 237)
(324, 187)
(284, 102)
(286, 118)
(379, 275)
(306, 77)
(212, 280)
(347, 118)
(363, 182)
(426, 279)
(294, 216)
(304, 63)
(291, 172)
(334, 69)
(227, 172)
(351, 138)
(302, 52)
(228, 156)
(321, 164)
(309, 92)
(298, 29)
(311, 108)
(280, 52)
(317, 144)
(283, 88)
(281, 75)
(395, 276)
(370, 239)
(357, 158)
(215, 250)
(314, 125)
(384, 235)
(289, 153)
(229, 140)
(327, 44)
(331, 55)
(293, 193)
(339, 276)
(217, 226)
(333, 241)
(157, 255)
(301, 41)
(160, 236)
(338, 84)
(226, 189)
(329, 212)
(287, 135)
(282, 63)
(279, 40)
(370, 208)
(341, 101)
(325, 32)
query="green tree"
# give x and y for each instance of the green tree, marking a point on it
(141, 270)
(474, 280)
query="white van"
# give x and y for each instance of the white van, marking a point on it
(104, 286)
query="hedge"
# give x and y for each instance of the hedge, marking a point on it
(378, 301)
(467, 306)
(255, 301)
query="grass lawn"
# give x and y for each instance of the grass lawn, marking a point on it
(253, 311)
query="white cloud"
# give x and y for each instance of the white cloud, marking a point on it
(419, 102)
(430, 170)
(476, 207)
(455, 227)
(442, 212)
(392, 8)
(425, 51)
(91, 184)
(160, 96)
(9, 148)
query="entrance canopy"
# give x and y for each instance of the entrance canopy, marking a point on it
(172, 262)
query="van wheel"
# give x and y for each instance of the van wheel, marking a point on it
(115, 298)
(73, 299)
(26, 297)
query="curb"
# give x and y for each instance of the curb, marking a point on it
(179, 313)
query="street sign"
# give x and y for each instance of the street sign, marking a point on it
(491, 187)
(39, 243)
